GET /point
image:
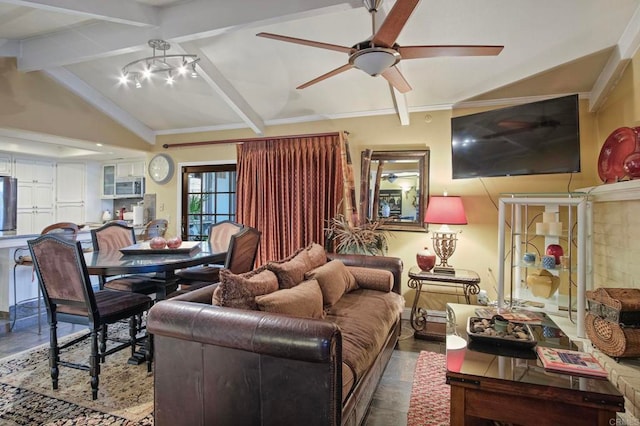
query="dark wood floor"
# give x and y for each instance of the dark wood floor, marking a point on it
(390, 401)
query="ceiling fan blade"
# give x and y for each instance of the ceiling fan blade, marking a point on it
(396, 79)
(416, 52)
(336, 71)
(390, 29)
(311, 43)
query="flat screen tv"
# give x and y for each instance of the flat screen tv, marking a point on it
(536, 138)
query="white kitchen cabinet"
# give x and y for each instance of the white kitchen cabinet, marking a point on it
(34, 221)
(525, 212)
(35, 171)
(108, 180)
(130, 169)
(70, 192)
(70, 178)
(5, 165)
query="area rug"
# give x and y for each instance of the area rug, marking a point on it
(125, 394)
(430, 394)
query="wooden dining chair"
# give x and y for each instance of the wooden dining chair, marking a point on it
(114, 236)
(69, 297)
(241, 257)
(219, 240)
(154, 228)
(22, 257)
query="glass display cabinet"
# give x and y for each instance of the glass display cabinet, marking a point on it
(542, 249)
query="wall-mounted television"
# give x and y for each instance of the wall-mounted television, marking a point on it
(535, 138)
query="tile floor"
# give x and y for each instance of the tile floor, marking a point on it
(390, 401)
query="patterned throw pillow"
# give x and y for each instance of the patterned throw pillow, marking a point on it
(303, 300)
(290, 271)
(240, 291)
(334, 279)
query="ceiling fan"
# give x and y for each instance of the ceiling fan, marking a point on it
(379, 54)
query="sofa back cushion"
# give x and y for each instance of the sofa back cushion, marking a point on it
(317, 255)
(303, 300)
(334, 279)
(240, 291)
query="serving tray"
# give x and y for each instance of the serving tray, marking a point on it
(187, 247)
(497, 340)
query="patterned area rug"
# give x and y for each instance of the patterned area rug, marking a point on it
(430, 394)
(125, 394)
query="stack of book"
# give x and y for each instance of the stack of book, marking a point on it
(570, 362)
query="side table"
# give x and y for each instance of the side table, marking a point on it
(468, 280)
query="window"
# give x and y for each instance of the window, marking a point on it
(208, 197)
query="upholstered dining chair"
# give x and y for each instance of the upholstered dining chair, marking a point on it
(241, 257)
(154, 228)
(69, 297)
(114, 236)
(21, 257)
(220, 234)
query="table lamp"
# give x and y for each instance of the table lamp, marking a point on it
(445, 211)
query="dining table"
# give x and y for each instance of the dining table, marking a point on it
(161, 263)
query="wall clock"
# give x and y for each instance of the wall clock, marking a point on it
(161, 168)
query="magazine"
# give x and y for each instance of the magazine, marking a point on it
(570, 362)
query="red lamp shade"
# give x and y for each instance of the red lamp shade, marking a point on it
(446, 211)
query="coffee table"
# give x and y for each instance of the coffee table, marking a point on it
(510, 385)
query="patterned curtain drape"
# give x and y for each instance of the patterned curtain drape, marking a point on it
(288, 188)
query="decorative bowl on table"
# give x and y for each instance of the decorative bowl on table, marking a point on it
(516, 334)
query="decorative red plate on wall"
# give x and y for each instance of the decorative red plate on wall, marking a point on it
(616, 148)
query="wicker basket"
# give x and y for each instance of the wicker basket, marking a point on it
(614, 314)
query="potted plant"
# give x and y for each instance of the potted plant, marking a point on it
(346, 238)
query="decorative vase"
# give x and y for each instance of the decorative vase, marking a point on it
(426, 260)
(556, 251)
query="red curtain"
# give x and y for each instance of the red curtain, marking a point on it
(288, 188)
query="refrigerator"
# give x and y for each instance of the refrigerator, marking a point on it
(8, 203)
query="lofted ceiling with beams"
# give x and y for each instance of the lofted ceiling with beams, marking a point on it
(550, 48)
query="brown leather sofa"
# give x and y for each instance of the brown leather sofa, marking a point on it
(215, 365)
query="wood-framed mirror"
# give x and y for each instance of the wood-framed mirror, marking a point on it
(395, 188)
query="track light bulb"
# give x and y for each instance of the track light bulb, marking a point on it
(194, 74)
(123, 79)
(170, 80)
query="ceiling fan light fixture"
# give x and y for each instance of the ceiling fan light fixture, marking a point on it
(374, 60)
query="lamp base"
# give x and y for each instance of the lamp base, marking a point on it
(444, 270)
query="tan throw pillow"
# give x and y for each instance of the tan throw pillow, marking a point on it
(317, 255)
(290, 271)
(334, 279)
(240, 291)
(303, 300)
(372, 279)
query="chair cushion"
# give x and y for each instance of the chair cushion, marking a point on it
(303, 300)
(209, 273)
(334, 279)
(290, 271)
(133, 284)
(240, 291)
(110, 304)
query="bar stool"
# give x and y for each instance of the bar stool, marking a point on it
(22, 257)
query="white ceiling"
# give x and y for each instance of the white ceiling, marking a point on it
(550, 48)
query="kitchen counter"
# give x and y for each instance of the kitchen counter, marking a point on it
(10, 241)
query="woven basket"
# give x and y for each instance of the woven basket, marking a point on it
(612, 339)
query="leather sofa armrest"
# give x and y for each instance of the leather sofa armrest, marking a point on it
(392, 264)
(255, 331)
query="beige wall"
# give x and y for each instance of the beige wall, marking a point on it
(32, 101)
(477, 247)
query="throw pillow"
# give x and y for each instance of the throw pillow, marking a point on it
(317, 255)
(290, 271)
(334, 279)
(303, 300)
(240, 291)
(372, 279)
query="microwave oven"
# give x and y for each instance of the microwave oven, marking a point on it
(129, 187)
